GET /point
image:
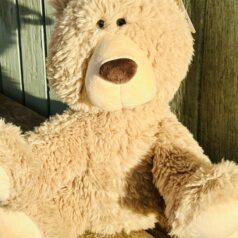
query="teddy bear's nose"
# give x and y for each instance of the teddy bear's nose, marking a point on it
(118, 71)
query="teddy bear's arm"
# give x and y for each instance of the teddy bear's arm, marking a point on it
(177, 157)
(194, 190)
(17, 165)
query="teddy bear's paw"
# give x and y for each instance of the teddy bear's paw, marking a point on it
(17, 225)
(209, 207)
(234, 235)
(216, 221)
(4, 185)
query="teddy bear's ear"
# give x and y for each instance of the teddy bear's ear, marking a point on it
(59, 5)
(183, 9)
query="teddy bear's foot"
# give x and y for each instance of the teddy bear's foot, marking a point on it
(234, 235)
(217, 221)
(17, 225)
(209, 208)
(4, 185)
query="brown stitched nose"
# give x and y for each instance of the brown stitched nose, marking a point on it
(118, 71)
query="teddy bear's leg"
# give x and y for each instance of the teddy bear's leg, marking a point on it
(217, 220)
(234, 235)
(201, 198)
(17, 225)
(209, 204)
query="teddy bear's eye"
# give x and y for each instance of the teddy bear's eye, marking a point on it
(121, 22)
(101, 24)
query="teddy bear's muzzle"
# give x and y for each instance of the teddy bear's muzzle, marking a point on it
(118, 71)
(119, 74)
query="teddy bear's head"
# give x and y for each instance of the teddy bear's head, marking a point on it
(115, 54)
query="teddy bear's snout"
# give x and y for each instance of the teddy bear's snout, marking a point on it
(118, 71)
(119, 74)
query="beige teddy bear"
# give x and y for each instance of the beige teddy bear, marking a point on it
(118, 159)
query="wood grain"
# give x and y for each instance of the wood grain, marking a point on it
(186, 102)
(218, 120)
(11, 81)
(33, 55)
(15, 113)
(55, 106)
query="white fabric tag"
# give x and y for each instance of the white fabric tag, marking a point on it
(183, 9)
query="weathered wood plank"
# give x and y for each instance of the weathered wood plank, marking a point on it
(186, 102)
(33, 55)
(218, 121)
(19, 115)
(56, 106)
(11, 81)
(0, 78)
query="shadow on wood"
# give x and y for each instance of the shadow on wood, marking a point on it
(27, 16)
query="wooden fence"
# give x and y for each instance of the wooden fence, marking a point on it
(207, 102)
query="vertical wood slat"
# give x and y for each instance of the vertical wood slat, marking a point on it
(0, 78)
(33, 55)
(56, 106)
(186, 102)
(218, 121)
(11, 81)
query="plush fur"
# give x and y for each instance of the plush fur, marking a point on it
(118, 159)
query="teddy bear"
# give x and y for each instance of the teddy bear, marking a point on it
(117, 159)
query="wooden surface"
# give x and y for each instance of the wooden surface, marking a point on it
(25, 26)
(19, 115)
(218, 119)
(33, 54)
(207, 102)
(186, 102)
(11, 80)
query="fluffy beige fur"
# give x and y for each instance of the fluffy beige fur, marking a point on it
(118, 159)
